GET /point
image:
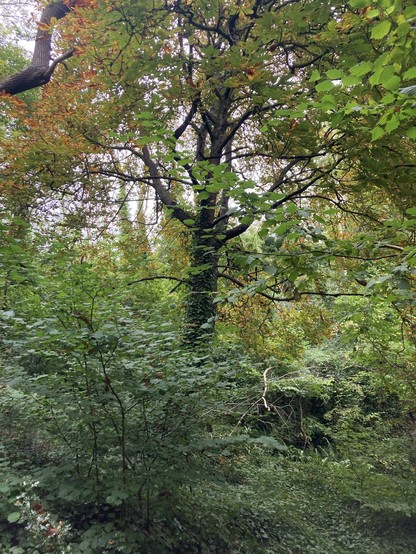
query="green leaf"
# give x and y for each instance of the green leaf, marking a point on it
(409, 12)
(393, 83)
(336, 118)
(376, 133)
(351, 80)
(13, 517)
(410, 73)
(393, 123)
(386, 3)
(315, 76)
(361, 69)
(372, 13)
(388, 99)
(335, 74)
(403, 29)
(328, 101)
(270, 441)
(358, 3)
(411, 133)
(324, 86)
(380, 30)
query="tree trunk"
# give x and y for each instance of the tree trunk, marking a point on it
(201, 307)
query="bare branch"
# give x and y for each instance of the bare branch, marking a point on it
(166, 277)
(164, 195)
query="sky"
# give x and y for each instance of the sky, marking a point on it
(20, 16)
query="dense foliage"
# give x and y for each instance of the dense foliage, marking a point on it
(207, 268)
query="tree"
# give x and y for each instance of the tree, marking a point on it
(249, 131)
(219, 107)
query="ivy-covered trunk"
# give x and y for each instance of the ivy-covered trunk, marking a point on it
(203, 278)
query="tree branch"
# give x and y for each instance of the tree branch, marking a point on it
(167, 277)
(242, 285)
(40, 70)
(280, 180)
(162, 192)
(295, 297)
(188, 119)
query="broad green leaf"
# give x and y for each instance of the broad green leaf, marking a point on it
(382, 75)
(372, 13)
(315, 76)
(388, 99)
(376, 133)
(334, 74)
(410, 73)
(361, 69)
(358, 3)
(380, 30)
(403, 29)
(351, 80)
(392, 83)
(393, 123)
(336, 118)
(409, 12)
(329, 101)
(13, 517)
(411, 133)
(324, 86)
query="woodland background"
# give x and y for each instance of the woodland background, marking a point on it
(207, 270)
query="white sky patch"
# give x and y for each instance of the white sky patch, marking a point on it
(20, 17)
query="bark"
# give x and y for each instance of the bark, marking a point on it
(41, 68)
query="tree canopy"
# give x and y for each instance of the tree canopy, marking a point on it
(239, 115)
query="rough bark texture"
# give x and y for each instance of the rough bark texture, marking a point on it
(41, 68)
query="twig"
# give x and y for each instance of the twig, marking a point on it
(180, 281)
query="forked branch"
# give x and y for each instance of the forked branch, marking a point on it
(41, 68)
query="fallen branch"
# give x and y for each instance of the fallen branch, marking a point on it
(265, 389)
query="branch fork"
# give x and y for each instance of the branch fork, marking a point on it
(41, 69)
